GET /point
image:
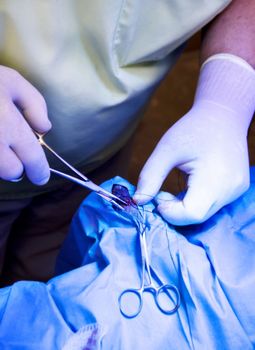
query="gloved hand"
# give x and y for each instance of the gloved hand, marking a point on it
(209, 144)
(22, 108)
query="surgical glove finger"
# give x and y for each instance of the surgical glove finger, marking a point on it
(154, 172)
(204, 197)
(11, 167)
(197, 205)
(22, 108)
(26, 97)
(29, 151)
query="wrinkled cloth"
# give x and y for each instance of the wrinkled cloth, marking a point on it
(212, 264)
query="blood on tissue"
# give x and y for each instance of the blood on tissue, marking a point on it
(122, 192)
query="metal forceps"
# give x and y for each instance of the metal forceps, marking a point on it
(169, 291)
(82, 180)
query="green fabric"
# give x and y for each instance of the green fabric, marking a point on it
(96, 63)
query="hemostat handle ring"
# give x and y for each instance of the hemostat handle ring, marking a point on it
(168, 290)
(138, 294)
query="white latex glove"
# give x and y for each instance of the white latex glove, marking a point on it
(209, 144)
(22, 107)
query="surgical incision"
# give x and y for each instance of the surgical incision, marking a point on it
(122, 192)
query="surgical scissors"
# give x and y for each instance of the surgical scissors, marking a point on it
(168, 290)
(83, 180)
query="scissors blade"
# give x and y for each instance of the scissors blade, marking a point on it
(93, 187)
(43, 143)
(110, 197)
